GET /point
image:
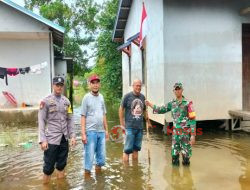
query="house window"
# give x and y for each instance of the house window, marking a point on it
(143, 61)
(129, 70)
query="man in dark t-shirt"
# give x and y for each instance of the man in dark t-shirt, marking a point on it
(133, 104)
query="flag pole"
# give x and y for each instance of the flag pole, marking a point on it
(143, 31)
(146, 94)
(142, 45)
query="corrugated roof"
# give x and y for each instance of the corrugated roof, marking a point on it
(134, 37)
(121, 19)
(57, 30)
(124, 45)
(129, 41)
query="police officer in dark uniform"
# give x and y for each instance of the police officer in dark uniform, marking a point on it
(55, 129)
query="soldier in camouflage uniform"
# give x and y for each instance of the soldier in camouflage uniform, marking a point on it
(183, 136)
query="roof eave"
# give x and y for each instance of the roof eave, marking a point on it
(116, 20)
(115, 30)
(52, 26)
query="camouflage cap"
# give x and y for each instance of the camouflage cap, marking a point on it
(178, 84)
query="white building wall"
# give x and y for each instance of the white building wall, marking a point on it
(52, 60)
(28, 88)
(24, 42)
(61, 68)
(125, 74)
(203, 50)
(14, 21)
(154, 52)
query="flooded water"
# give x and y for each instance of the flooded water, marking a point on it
(220, 161)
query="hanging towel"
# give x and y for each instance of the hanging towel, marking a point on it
(36, 69)
(43, 65)
(12, 71)
(3, 74)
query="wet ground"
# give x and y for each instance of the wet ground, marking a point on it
(220, 161)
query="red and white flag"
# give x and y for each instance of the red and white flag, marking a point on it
(144, 25)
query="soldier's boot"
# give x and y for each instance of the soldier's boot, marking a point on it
(185, 161)
(175, 160)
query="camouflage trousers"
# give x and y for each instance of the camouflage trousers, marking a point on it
(181, 144)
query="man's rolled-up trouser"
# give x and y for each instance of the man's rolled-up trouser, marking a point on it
(55, 155)
(133, 140)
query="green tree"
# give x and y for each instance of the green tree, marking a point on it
(108, 59)
(79, 21)
(86, 22)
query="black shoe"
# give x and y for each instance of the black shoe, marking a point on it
(176, 161)
(185, 161)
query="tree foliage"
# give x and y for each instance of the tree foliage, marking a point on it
(108, 59)
(86, 22)
(79, 21)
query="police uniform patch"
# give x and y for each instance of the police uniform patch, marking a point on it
(69, 109)
(42, 104)
(51, 101)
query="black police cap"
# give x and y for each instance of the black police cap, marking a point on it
(58, 80)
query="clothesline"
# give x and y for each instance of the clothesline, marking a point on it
(34, 69)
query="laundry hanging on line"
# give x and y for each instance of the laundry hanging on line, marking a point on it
(34, 69)
(12, 71)
(37, 69)
(24, 70)
(3, 74)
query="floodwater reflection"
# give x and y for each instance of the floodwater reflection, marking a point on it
(220, 161)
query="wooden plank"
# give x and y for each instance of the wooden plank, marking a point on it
(240, 114)
(237, 129)
(245, 123)
(125, 8)
(246, 129)
(118, 39)
(245, 11)
(246, 118)
(127, 50)
(136, 42)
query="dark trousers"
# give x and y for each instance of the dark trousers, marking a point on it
(55, 156)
